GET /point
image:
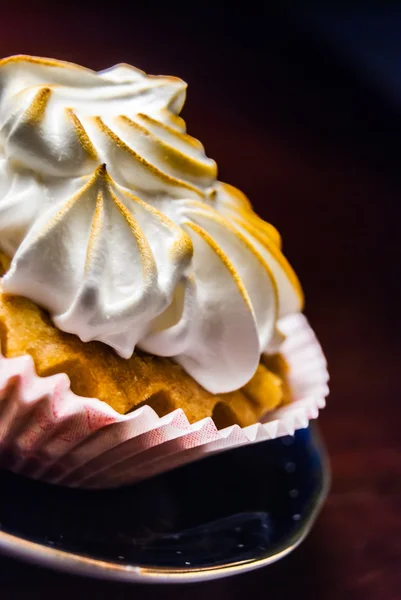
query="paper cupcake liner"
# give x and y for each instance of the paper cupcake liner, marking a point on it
(49, 433)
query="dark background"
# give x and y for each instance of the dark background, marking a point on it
(302, 111)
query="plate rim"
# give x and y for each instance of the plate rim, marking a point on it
(77, 564)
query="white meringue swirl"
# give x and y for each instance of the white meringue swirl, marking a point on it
(117, 225)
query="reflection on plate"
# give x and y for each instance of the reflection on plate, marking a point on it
(228, 513)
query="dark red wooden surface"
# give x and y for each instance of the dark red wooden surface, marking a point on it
(317, 149)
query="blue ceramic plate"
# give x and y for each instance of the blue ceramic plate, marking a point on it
(223, 515)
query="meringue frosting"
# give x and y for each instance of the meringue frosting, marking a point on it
(117, 225)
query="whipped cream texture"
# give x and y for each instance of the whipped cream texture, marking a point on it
(116, 223)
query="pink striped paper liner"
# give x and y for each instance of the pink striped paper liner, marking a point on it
(49, 433)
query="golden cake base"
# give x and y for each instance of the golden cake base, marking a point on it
(96, 371)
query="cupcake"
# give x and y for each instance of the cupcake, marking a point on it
(125, 264)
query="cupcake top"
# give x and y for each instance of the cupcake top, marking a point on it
(116, 223)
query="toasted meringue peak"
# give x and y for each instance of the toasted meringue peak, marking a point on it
(116, 223)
